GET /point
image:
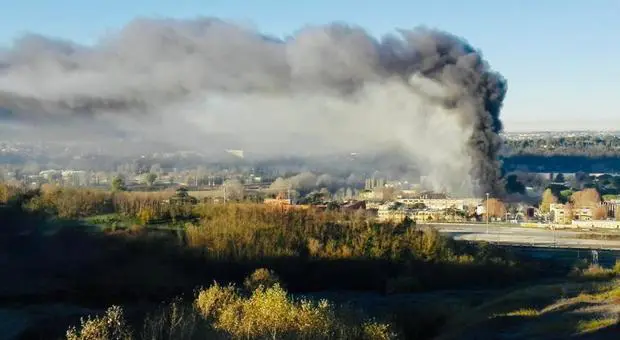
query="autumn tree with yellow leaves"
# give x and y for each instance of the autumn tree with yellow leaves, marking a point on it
(548, 198)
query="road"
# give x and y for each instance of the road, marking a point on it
(533, 237)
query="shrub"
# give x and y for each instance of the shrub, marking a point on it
(110, 326)
(222, 312)
(271, 313)
(70, 202)
(261, 277)
(177, 321)
(378, 331)
(617, 267)
(8, 192)
(212, 301)
(594, 272)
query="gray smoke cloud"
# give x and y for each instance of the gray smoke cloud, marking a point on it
(210, 84)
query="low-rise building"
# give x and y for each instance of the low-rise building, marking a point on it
(560, 213)
(442, 203)
(583, 214)
(75, 178)
(389, 213)
(427, 215)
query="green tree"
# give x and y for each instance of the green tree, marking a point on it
(565, 195)
(118, 183)
(150, 179)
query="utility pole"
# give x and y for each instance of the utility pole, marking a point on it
(224, 193)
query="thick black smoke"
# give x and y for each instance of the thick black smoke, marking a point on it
(155, 64)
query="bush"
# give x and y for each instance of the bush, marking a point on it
(177, 321)
(110, 326)
(594, 272)
(70, 202)
(222, 312)
(8, 192)
(261, 277)
(617, 267)
(271, 313)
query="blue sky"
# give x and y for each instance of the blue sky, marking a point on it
(561, 58)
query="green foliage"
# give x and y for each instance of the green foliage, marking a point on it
(118, 184)
(565, 195)
(150, 178)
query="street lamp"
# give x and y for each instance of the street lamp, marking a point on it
(487, 212)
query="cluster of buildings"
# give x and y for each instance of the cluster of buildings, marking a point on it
(431, 209)
(606, 212)
(65, 177)
(420, 207)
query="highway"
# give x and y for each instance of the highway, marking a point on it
(530, 237)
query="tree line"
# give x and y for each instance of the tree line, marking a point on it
(590, 146)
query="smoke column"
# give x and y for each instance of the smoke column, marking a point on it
(207, 83)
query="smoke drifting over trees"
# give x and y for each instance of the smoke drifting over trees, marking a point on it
(209, 84)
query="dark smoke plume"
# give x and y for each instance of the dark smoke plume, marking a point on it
(327, 87)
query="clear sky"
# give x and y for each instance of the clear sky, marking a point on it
(561, 58)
